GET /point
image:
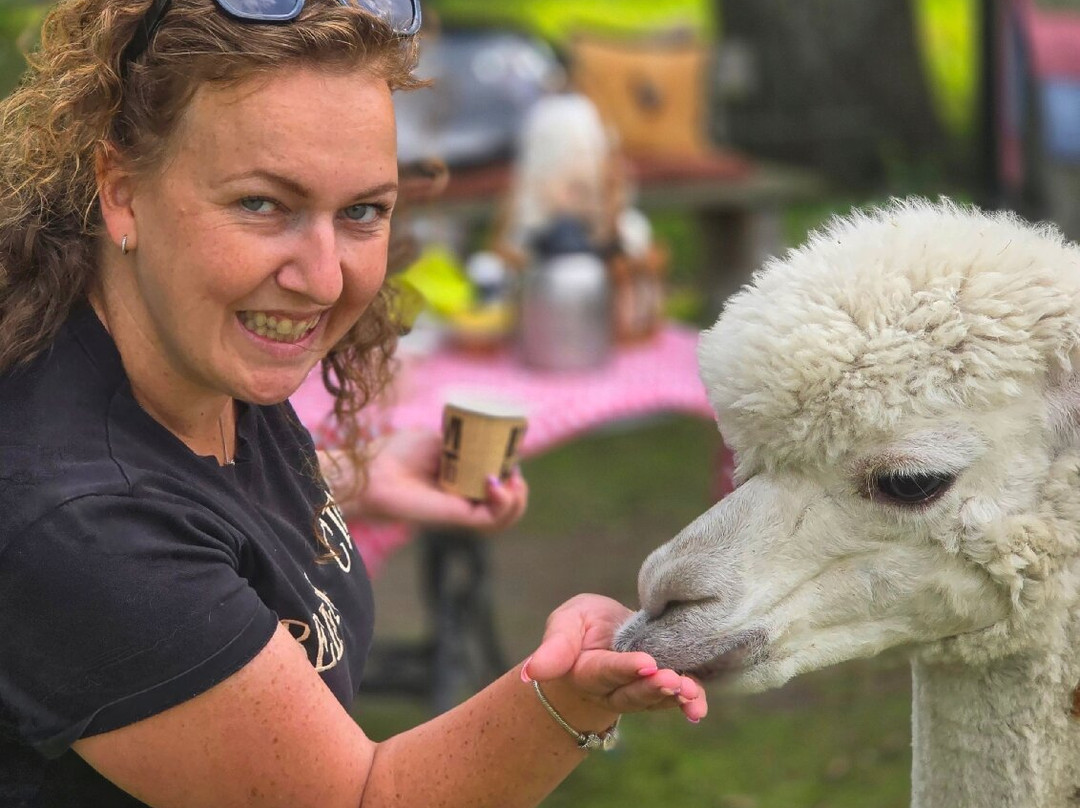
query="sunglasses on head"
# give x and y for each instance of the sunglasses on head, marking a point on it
(403, 16)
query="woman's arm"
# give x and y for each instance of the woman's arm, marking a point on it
(502, 748)
(401, 486)
(273, 735)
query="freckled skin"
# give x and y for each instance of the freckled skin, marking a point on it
(245, 216)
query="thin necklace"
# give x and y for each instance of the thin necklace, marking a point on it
(224, 446)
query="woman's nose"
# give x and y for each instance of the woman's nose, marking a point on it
(315, 270)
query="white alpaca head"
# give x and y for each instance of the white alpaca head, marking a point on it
(901, 396)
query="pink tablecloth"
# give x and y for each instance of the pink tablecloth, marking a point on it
(659, 375)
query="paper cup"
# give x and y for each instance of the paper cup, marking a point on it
(481, 438)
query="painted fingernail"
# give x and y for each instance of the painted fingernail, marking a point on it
(648, 670)
(525, 671)
(693, 720)
(493, 481)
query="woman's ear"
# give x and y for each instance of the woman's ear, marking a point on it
(115, 187)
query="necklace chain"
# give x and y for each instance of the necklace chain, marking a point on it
(229, 461)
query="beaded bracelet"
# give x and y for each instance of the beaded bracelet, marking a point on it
(585, 740)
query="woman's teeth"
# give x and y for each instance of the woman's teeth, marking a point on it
(279, 329)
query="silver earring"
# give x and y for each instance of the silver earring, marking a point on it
(123, 245)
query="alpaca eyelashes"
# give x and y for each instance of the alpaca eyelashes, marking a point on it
(910, 489)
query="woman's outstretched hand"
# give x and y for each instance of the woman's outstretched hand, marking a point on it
(577, 649)
(401, 486)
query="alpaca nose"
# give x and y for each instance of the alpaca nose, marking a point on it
(671, 607)
(657, 587)
(666, 585)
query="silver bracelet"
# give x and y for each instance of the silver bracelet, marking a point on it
(585, 740)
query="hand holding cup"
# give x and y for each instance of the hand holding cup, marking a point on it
(481, 439)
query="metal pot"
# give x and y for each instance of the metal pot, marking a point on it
(565, 302)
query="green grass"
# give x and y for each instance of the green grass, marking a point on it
(837, 738)
(848, 750)
(834, 738)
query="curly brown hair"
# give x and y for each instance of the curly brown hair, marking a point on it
(79, 103)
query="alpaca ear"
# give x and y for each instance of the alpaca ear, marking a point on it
(1063, 402)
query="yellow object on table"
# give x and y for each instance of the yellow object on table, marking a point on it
(439, 278)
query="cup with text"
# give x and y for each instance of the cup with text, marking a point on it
(481, 438)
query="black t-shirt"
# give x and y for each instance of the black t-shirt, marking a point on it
(135, 574)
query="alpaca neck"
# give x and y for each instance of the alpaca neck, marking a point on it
(998, 735)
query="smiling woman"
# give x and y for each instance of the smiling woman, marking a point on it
(264, 226)
(195, 212)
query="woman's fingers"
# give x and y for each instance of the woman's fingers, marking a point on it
(604, 672)
(594, 671)
(576, 646)
(519, 490)
(665, 689)
(505, 505)
(577, 637)
(507, 500)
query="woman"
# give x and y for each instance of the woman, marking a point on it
(195, 211)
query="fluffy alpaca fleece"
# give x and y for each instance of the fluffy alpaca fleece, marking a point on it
(927, 346)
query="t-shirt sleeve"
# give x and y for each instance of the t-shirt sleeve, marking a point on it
(113, 609)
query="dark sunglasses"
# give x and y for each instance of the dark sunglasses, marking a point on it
(403, 16)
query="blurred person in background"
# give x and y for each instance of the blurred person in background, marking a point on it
(195, 211)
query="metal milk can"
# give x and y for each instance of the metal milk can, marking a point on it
(564, 318)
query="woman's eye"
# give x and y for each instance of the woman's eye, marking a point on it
(363, 214)
(911, 489)
(257, 204)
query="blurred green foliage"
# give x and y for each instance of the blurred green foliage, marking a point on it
(949, 33)
(18, 26)
(555, 20)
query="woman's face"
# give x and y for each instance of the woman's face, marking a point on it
(262, 238)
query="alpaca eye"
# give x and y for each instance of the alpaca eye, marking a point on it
(911, 489)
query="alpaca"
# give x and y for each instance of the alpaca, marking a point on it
(903, 397)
